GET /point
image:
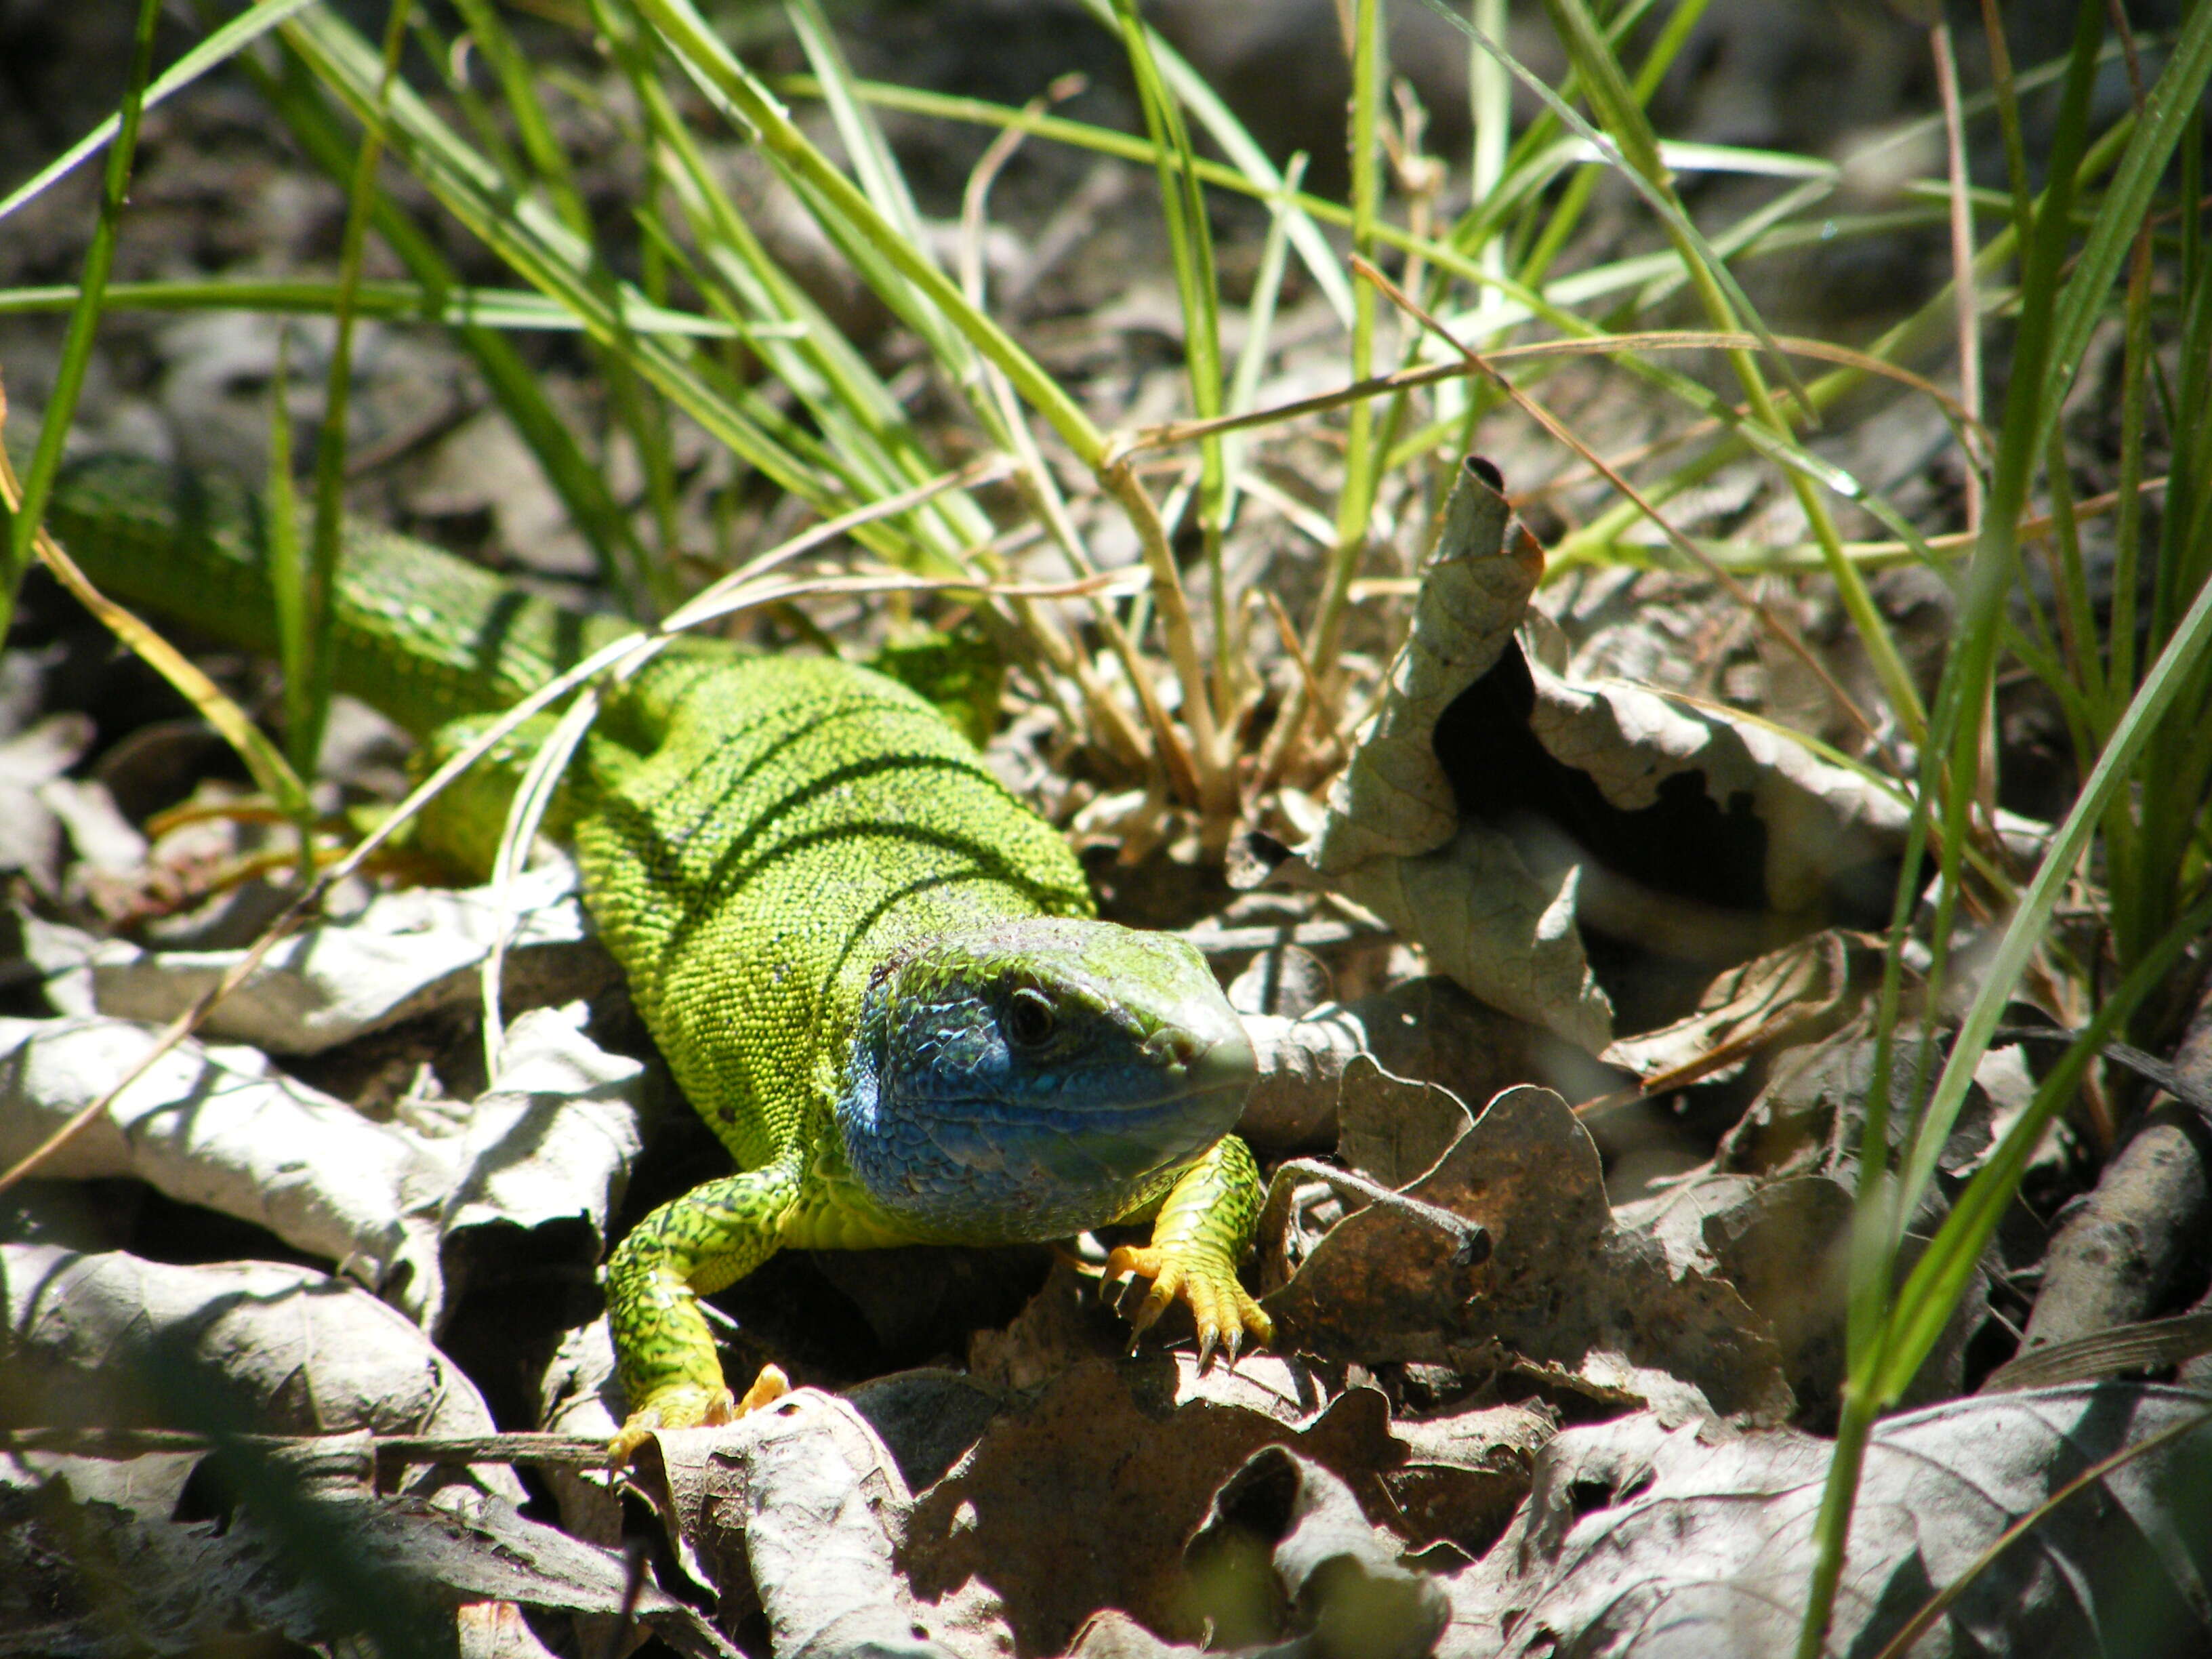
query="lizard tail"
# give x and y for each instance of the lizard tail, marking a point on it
(424, 636)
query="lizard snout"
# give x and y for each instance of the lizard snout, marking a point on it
(1223, 1064)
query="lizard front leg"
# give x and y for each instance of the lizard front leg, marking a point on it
(690, 1247)
(1203, 1227)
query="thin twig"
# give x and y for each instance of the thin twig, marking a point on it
(391, 1451)
(1602, 345)
(1472, 1239)
(1316, 701)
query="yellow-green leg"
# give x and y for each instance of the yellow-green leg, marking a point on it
(689, 1247)
(1205, 1225)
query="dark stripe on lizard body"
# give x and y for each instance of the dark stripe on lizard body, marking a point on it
(871, 967)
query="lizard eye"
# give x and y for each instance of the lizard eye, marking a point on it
(1030, 1018)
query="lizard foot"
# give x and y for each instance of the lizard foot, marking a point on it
(687, 1405)
(1206, 1280)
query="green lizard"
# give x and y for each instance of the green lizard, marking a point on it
(874, 972)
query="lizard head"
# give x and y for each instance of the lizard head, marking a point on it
(1034, 1078)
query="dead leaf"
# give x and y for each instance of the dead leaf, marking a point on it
(1338, 1577)
(927, 1417)
(1393, 1127)
(315, 1566)
(149, 1486)
(1794, 995)
(1783, 1244)
(405, 954)
(799, 1510)
(1563, 1288)
(1506, 818)
(542, 1159)
(1083, 1498)
(1112, 1634)
(406, 1206)
(116, 1341)
(1646, 1540)
(1425, 1028)
(1065, 1324)
(1811, 1117)
(496, 1630)
(218, 1124)
(1466, 1472)
(34, 793)
(1395, 839)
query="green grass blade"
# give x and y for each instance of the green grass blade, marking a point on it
(2184, 657)
(544, 252)
(881, 180)
(84, 320)
(1248, 165)
(1628, 145)
(1355, 500)
(224, 43)
(310, 629)
(517, 88)
(749, 101)
(877, 447)
(516, 310)
(2169, 108)
(1190, 241)
(1931, 1292)
(287, 564)
(1258, 328)
(581, 485)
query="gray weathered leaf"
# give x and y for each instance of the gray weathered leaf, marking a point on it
(405, 954)
(1499, 814)
(799, 1508)
(216, 1124)
(113, 1340)
(1083, 1497)
(1348, 1595)
(393, 1203)
(32, 762)
(1394, 839)
(93, 1340)
(315, 1563)
(1647, 1542)
(553, 1140)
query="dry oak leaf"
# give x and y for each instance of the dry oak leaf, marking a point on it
(1564, 1287)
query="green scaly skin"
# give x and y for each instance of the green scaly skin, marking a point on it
(826, 907)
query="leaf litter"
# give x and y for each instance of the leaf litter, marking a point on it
(1463, 1457)
(1592, 1439)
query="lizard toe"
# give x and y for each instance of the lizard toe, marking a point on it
(688, 1406)
(1166, 1272)
(770, 1386)
(1206, 1280)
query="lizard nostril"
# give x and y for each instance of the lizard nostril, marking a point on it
(1184, 1052)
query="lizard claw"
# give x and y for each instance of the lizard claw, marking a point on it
(688, 1406)
(1205, 1279)
(770, 1386)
